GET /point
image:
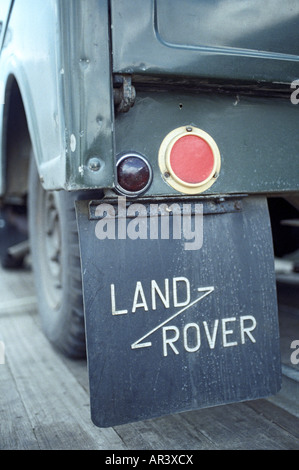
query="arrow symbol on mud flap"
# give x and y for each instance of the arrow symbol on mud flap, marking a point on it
(139, 344)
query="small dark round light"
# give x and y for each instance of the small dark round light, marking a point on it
(133, 174)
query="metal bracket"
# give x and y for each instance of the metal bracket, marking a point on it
(211, 205)
(124, 93)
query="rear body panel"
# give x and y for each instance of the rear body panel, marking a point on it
(218, 40)
(229, 73)
(224, 67)
(257, 137)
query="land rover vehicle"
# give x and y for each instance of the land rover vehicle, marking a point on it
(145, 137)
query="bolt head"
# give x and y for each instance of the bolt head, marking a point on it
(94, 164)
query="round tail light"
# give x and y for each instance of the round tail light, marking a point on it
(189, 160)
(134, 174)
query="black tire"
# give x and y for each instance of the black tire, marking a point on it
(56, 266)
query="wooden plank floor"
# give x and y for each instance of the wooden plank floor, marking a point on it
(44, 402)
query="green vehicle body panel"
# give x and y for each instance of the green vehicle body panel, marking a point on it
(255, 153)
(58, 52)
(29, 55)
(224, 67)
(254, 41)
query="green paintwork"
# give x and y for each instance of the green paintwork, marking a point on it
(223, 66)
(215, 39)
(258, 138)
(59, 54)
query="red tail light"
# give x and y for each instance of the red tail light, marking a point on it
(134, 174)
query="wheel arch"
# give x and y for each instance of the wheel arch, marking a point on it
(16, 142)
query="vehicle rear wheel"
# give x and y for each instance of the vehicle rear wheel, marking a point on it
(56, 266)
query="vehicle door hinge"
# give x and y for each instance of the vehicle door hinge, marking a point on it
(124, 93)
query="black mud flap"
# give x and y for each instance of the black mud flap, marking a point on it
(180, 305)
